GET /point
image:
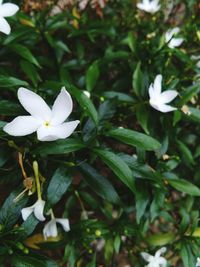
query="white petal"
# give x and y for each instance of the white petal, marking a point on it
(175, 42)
(168, 96)
(8, 9)
(64, 223)
(56, 132)
(157, 84)
(141, 6)
(160, 251)
(62, 107)
(4, 26)
(50, 229)
(26, 212)
(146, 256)
(34, 104)
(22, 126)
(162, 262)
(151, 91)
(166, 108)
(38, 210)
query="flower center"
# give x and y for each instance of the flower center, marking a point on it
(47, 124)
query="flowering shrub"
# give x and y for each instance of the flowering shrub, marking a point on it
(99, 130)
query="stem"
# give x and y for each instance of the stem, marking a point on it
(21, 165)
(81, 204)
(52, 214)
(36, 172)
(20, 195)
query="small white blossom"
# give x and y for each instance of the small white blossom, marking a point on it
(156, 260)
(37, 209)
(149, 6)
(172, 41)
(158, 100)
(50, 229)
(198, 262)
(6, 10)
(49, 123)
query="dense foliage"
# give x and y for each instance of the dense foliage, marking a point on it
(128, 178)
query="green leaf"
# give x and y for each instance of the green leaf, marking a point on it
(137, 82)
(141, 204)
(186, 255)
(161, 239)
(186, 154)
(8, 81)
(117, 243)
(118, 166)
(32, 261)
(134, 138)
(59, 147)
(99, 184)
(58, 185)
(31, 72)
(84, 101)
(25, 53)
(122, 97)
(189, 92)
(92, 76)
(8, 108)
(142, 113)
(184, 186)
(29, 225)
(11, 210)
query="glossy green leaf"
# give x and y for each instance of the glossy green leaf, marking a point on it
(58, 185)
(118, 166)
(59, 147)
(134, 138)
(92, 76)
(184, 186)
(99, 183)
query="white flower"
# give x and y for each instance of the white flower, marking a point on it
(49, 123)
(172, 41)
(198, 262)
(50, 229)
(37, 209)
(159, 100)
(149, 6)
(157, 260)
(6, 10)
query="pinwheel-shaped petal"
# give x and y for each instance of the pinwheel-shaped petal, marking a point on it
(50, 229)
(149, 6)
(37, 209)
(6, 10)
(198, 262)
(172, 41)
(49, 123)
(155, 261)
(159, 100)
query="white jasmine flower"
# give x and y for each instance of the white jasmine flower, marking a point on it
(50, 229)
(37, 209)
(198, 262)
(159, 100)
(150, 6)
(157, 260)
(6, 10)
(172, 41)
(49, 123)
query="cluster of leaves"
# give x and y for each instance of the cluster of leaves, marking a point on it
(128, 178)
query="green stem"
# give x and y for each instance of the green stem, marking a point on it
(52, 214)
(36, 172)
